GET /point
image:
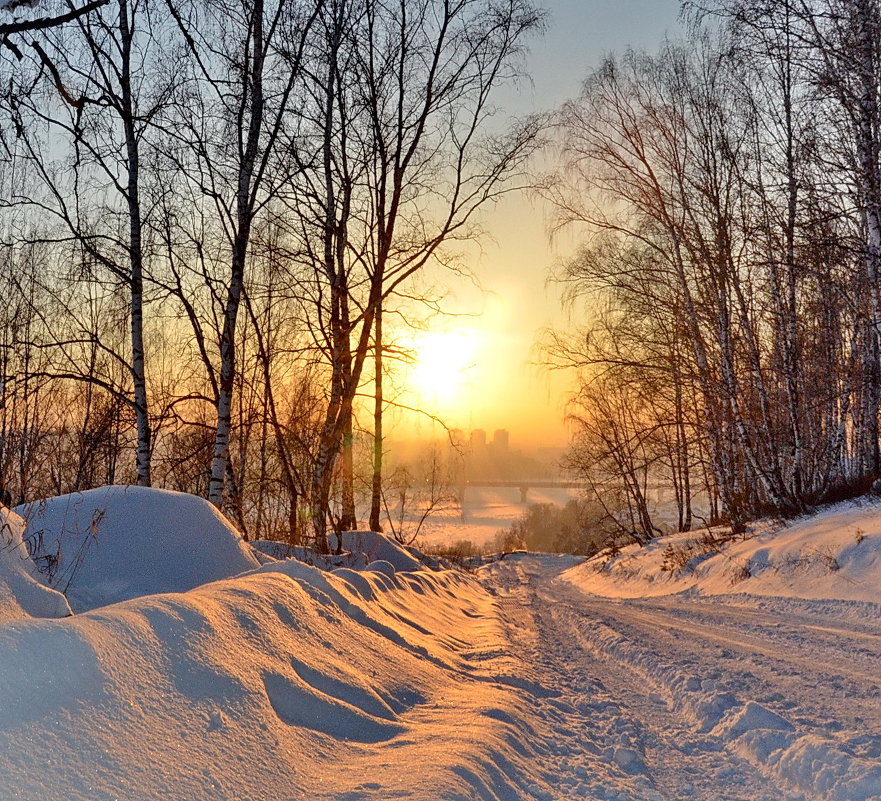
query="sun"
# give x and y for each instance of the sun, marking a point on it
(444, 363)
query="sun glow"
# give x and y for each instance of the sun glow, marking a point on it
(444, 364)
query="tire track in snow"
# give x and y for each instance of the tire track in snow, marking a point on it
(610, 736)
(719, 633)
(858, 639)
(809, 756)
(790, 659)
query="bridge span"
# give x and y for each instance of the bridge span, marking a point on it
(523, 485)
(655, 492)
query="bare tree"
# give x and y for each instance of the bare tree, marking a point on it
(244, 61)
(695, 174)
(40, 24)
(412, 495)
(408, 158)
(105, 71)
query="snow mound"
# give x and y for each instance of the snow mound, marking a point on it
(360, 550)
(115, 543)
(834, 555)
(370, 546)
(749, 717)
(272, 550)
(381, 566)
(261, 686)
(22, 593)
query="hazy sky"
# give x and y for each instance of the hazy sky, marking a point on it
(494, 385)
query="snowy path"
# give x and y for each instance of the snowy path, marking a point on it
(689, 698)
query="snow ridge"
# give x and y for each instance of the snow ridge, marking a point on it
(261, 686)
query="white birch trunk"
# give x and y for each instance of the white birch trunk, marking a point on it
(252, 100)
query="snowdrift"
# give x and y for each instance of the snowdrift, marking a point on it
(22, 593)
(116, 543)
(360, 549)
(368, 546)
(263, 686)
(268, 551)
(834, 555)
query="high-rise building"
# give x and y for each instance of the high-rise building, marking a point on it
(478, 440)
(500, 440)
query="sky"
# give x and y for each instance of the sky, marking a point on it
(481, 367)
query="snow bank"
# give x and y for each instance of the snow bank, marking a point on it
(369, 546)
(116, 543)
(22, 592)
(263, 686)
(360, 550)
(272, 550)
(832, 555)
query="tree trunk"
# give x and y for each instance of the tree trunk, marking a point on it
(226, 385)
(136, 256)
(253, 100)
(870, 189)
(376, 486)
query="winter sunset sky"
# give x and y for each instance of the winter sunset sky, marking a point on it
(477, 368)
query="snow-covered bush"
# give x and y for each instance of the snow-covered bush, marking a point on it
(22, 592)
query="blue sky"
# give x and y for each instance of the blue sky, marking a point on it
(582, 32)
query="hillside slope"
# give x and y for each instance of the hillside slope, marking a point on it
(832, 555)
(289, 682)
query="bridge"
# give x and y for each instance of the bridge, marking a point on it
(656, 492)
(522, 484)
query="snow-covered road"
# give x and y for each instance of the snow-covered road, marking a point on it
(696, 698)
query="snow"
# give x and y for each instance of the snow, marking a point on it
(22, 593)
(360, 548)
(117, 543)
(487, 511)
(833, 555)
(262, 686)
(751, 716)
(540, 677)
(374, 547)
(705, 697)
(272, 550)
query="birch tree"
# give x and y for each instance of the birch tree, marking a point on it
(242, 69)
(407, 156)
(102, 70)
